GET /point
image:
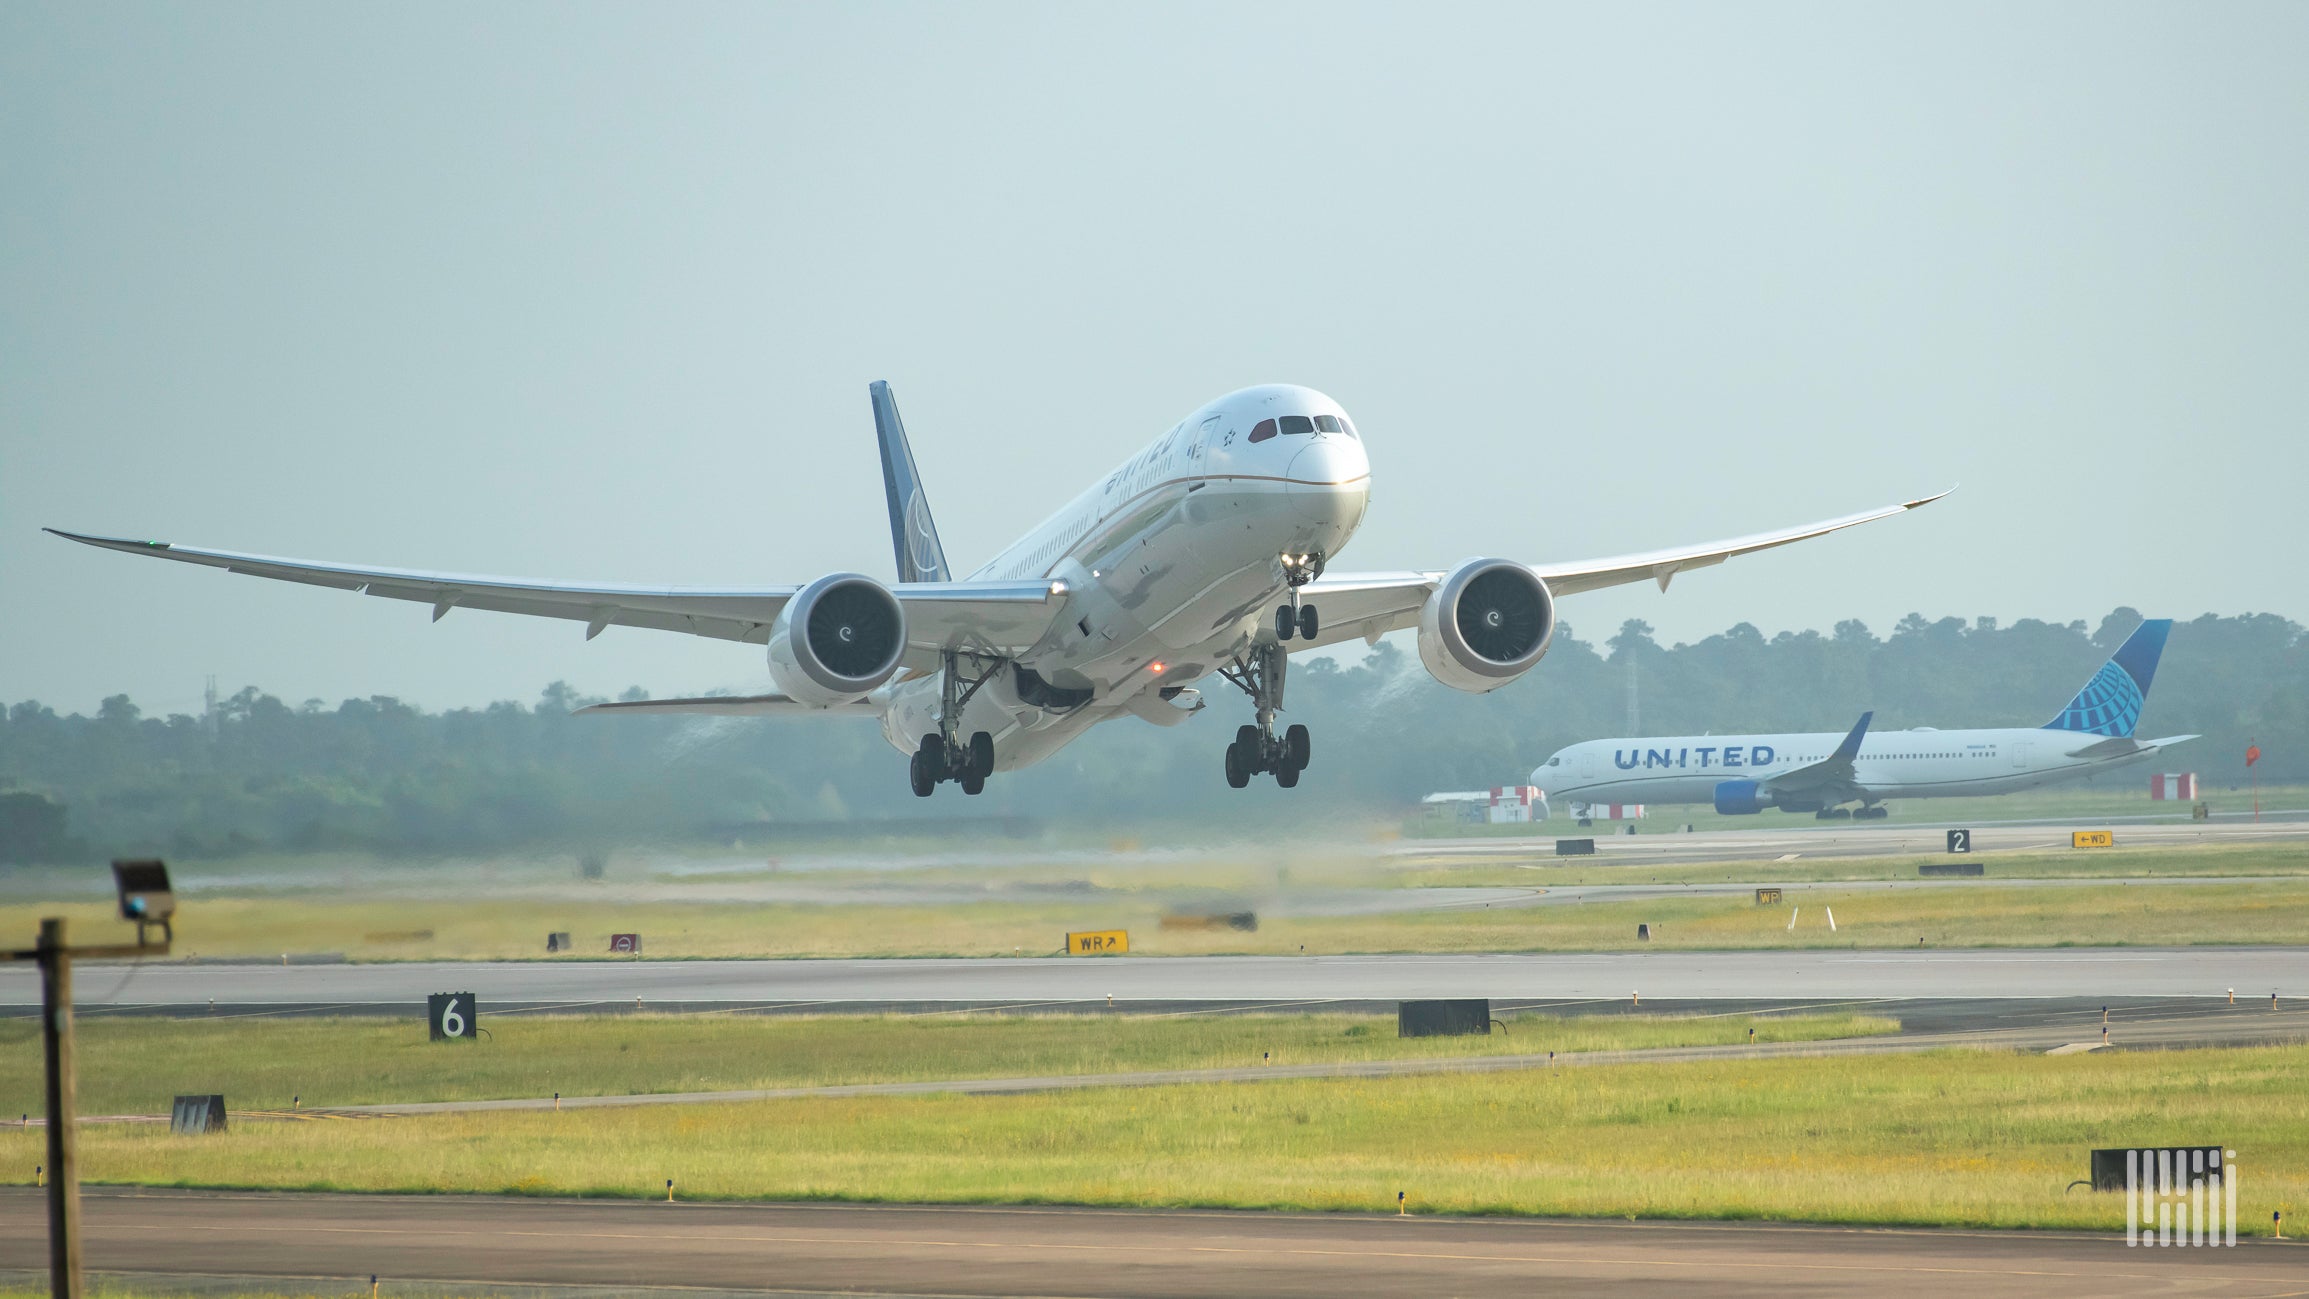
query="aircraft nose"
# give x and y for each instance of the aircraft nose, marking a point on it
(1328, 478)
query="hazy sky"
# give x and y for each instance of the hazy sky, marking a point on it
(595, 292)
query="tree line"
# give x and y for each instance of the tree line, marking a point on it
(376, 774)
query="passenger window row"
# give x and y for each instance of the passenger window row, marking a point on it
(1295, 424)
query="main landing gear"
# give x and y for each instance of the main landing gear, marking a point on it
(1257, 748)
(945, 755)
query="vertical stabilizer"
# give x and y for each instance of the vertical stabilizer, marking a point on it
(912, 534)
(2110, 703)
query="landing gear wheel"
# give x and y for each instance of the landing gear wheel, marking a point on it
(981, 763)
(974, 784)
(1286, 775)
(1295, 747)
(1237, 776)
(1286, 622)
(921, 773)
(1247, 739)
(1309, 624)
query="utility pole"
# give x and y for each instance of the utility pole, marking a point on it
(63, 1125)
(145, 898)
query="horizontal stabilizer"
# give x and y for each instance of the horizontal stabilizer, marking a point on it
(735, 706)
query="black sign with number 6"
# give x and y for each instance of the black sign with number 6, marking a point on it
(1960, 841)
(452, 1016)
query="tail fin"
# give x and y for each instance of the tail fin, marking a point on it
(912, 534)
(2110, 703)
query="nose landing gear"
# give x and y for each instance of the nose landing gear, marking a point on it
(1258, 748)
(1296, 618)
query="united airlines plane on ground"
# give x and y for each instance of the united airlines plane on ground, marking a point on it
(1742, 774)
(1205, 554)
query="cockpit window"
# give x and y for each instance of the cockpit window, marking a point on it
(1348, 426)
(1297, 424)
(1326, 423)
(1265, 429)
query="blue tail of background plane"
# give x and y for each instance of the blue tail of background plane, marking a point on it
(2110, 703)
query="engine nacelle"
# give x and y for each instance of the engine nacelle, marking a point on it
(1487, 624)
(1740, 798)
(837, 639)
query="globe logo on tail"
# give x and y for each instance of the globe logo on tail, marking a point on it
(923, 552)
(2110, 704)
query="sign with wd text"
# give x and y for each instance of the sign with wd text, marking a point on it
(2093, 839)
(1098, 942)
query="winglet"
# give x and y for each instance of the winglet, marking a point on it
(1850, 748)
(912, 534)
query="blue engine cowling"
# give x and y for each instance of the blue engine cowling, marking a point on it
(1740, 798)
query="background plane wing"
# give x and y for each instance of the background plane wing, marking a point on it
(1001, 616)
(1832, 774)
(1368, 605)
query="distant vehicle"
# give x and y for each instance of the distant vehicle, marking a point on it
(1743, 774)
(1202, 555)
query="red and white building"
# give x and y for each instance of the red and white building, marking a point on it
(2181, 786)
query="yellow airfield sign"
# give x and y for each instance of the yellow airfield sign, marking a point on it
(2093, 839)
(1098, 942)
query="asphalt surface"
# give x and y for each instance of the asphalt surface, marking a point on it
(425, 1244)
(1657, 843)
(1972, 973)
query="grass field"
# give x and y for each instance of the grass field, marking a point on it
(1958, 1137)
(133, 1066)
(1954, 914)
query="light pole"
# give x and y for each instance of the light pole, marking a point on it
(145, 898)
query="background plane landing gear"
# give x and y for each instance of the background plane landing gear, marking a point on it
(1872, 812)
(1833, 814)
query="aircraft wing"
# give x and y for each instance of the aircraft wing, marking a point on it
(1369, 605)
(1001, 616)
(769, 705)
(1832, 774)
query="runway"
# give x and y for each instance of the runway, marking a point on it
(1820, 975)
(433, 1244)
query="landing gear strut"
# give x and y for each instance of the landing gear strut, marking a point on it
(1257, 748)
(945, 755)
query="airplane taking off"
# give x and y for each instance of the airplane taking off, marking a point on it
(1743, 774)
(1203, 554)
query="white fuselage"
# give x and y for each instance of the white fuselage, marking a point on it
(1172, 565)
(1922, 763)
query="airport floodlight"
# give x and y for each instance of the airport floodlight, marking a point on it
(145, 895)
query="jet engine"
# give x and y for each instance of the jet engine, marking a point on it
(1487, 624)
(1741, 798)
(837, 639)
